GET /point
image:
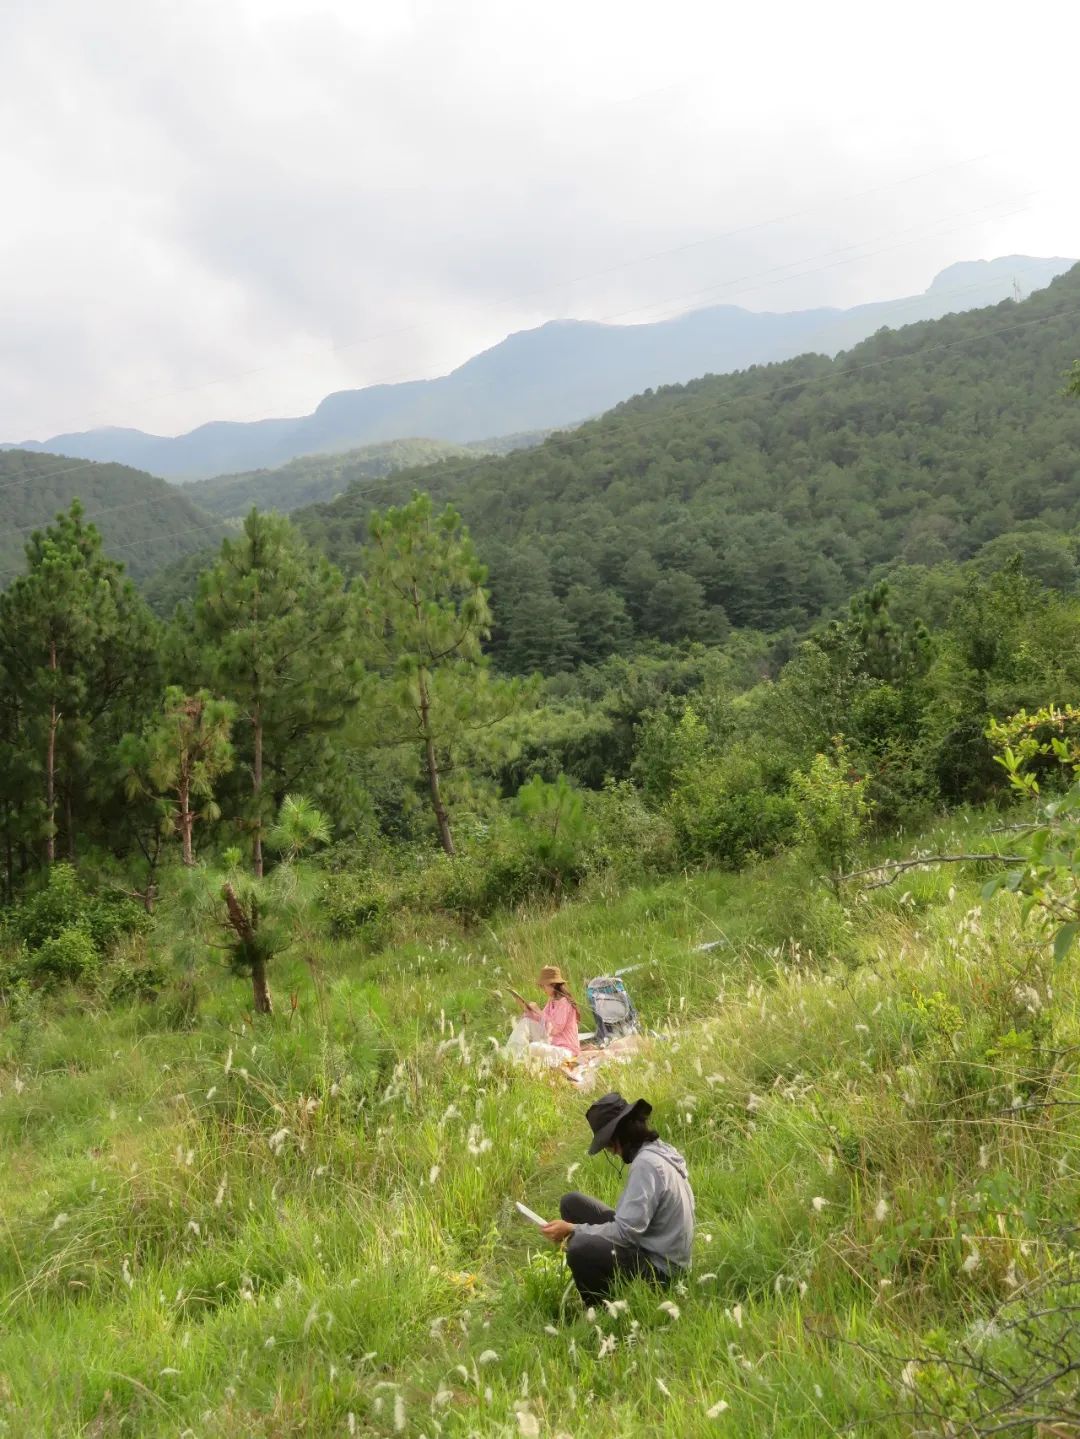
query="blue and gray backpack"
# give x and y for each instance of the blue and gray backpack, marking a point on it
(613, 1010)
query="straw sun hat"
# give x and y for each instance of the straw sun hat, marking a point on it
(551, 974)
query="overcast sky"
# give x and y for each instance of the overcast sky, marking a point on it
(229, 208)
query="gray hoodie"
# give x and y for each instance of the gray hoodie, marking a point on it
(656, 1209)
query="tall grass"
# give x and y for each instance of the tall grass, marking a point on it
(305, 1227)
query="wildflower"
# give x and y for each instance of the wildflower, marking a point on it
(753, 1103)
(433, 1174)
(737, 1315)
(211, 1091)
(572, 1171)
(705, 1278)
(908, 1375)
(608, 1344)
(228, 1061)
(550, 1329)
(277, 1140)
(489, 1356)
(528, 1424)
(819, 1393)
(60, 1220)
(670, 1308)
(664, 1390)
(162, 1373)
(717, 1409)
(972, 1262)
(435, 1327)
(399, 1414)
(881, 1208)
(615, 1307)
(219, 1197)
(818, 1203)
(443, 1396)
(350, 1422)
(984, 1156)
(125, 1273)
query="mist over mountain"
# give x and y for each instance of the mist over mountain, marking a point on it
(562, 372)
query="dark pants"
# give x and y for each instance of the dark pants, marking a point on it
(595, 1262)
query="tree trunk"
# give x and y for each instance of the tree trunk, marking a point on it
(69, 825)
(260, 990)
(256, 786)
(245, 930)
(50, 766)
(187, 819)
(431, 759)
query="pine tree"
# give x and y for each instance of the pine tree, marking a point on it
(77, 646)
(427, 618)
(181, 755)
(274, 632)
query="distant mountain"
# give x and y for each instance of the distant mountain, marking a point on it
(145, 522)
(763, 500)
(560, 373)
(313, 478)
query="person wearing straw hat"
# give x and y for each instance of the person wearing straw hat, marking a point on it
(559, 1018)
(650, 1232)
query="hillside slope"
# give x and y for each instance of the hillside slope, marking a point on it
(307, 1226)
(145, 522)
(552, 376)
(315, 478)
(764, 499)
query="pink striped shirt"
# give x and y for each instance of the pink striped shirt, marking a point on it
(560, 1019)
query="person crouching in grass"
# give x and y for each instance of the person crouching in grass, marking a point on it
(650, 1232)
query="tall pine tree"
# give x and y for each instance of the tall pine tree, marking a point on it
(427, 618)
(275, 634)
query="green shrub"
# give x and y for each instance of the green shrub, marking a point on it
(70, 955)
(725, 811)
(61, 905)
(356, 903)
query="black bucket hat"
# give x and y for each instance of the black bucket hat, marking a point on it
(606, 1115)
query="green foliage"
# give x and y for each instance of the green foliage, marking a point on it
(64, 933)
(426, 616)
(765, 499)
(1049, 877)
(831, 812)
(274, 633)
(145, 522)
(315, 478)
(724, 809)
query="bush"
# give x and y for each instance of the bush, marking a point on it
(725, 811)
(356, 903)
(63, 932)
(70, 955)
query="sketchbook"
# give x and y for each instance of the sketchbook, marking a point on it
(530, 1216)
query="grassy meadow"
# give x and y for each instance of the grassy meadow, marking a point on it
(211, 1227)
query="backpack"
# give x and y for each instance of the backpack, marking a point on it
(613, 1011)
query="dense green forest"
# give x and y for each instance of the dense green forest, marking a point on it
(146, 523)
(314, 478)
(762, 500)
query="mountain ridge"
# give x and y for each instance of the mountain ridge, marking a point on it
(551, 376)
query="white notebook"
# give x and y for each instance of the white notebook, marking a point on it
(530, 1216)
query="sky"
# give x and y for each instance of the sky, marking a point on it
(227, 209)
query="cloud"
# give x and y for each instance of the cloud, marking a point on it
(226, 210)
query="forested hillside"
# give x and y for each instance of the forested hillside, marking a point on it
(144, 522)
(315, 478)
(554, 375)
(762, 500)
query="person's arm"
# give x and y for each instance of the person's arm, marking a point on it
(634, 1211)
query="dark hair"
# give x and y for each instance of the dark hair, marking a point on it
(563, 992)
(633, 1132)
